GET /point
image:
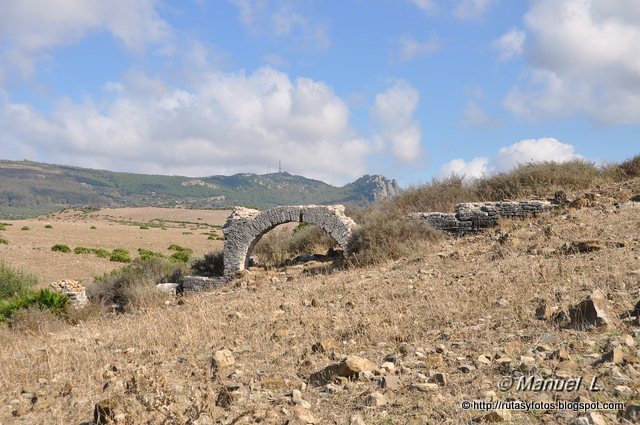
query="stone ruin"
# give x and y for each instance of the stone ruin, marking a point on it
(72, 289)
(245, 227)
(474, 216)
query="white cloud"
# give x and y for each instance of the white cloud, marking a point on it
(471, 9)
(223, 123)
(474, 169)
(394, 110)
(281, 18)
(583, 57)
(29, 28)
(410, 48)
(510, 44)
(474, 115)
(426, 5)
(524, 152)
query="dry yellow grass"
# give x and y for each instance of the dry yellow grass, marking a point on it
(436, 310)
(31, 249)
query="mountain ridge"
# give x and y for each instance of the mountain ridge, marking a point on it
(30, 188)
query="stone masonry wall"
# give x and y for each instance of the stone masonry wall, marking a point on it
(245, 227)
(479, 215)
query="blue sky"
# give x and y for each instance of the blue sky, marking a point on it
(413, 89)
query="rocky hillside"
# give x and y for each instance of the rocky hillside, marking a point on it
(533, 313)
(30, 188)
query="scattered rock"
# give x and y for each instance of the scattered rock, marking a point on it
(169, 288)
(375, 399)
(296, 397)
(591, 313)
(390, 382)
(347, 368)
(591, 418)
(221, 359)
(616, 355)
(495, 416)
(632, 413)
(72, 289)
(425, 387)
(356, 420)
(105, 411)
(580, 247)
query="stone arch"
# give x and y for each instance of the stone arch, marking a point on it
(245, 227)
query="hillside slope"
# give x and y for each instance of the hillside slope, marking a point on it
(30, 188)
(442, 326)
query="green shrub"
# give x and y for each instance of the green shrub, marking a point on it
(48, 226)
(25, 228)
(182, 256)
(53, 301)
(82, 250)
(3, 226)
(101, 252)
(211, 265)
(92, 228)
(178, 248)
(3, 241)
(213, 236)
(146, 254)
(134, 285)
(144, 227)
(120, 255)
(61, 248)
(13, 283)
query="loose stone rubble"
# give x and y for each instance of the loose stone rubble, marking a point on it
(479, 215)
(72, 289)
(245, 227)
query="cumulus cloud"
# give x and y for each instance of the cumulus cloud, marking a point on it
(474, 115)
(282, 18)
(29, 28)
(394, 111)
(461, 9)
(524, 152)
(410, 48)
(471, 9)
(224, 123)
(583, 57)
(510, 44)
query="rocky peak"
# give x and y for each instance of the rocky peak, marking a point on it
(378, 187)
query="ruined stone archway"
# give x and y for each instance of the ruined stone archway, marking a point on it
(245, 227)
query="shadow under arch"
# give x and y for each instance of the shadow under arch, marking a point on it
(245, 227)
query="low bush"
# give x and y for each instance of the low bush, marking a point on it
(3, 241)
(25, 228)
(384, 235)
(81, 250)
(146, 254)
(61, 248)
(211, 265)
(48, 226)
(3, 226)
(52, 301)
(181, 256)
(120, 255)
(178, 248)
(631, 167)
(134, 285)
(92, 228)
(13, 282)
(144, 227)
(101, 252)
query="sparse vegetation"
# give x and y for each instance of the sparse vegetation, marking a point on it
(13, 282)
(180, 256)
(3, 241)
(61, 248)
(211, 265)
(178, 248)
(144, 227)
(101, 252)
(92, 228)
(3, 226)
(81, 250)
(282, 243)
(133, 286)
(146, 254)
(48, 226)
(25, 228)
(44, 299)
(120, 255)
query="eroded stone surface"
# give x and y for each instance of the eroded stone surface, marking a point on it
(474, 216)
(72, 289)
(245, 227)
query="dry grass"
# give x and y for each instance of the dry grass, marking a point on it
(288, 241)
(436, 308)
(31, 250)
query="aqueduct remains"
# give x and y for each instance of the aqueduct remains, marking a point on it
(245, 227)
